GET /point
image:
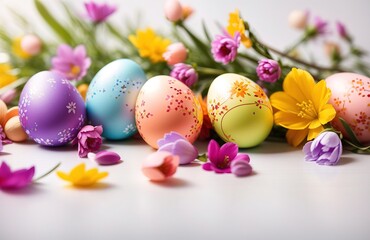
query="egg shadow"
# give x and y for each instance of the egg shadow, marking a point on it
(125, 142)
(173, 183)
(269, 147)
(63, 148)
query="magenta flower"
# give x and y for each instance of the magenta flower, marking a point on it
(176, 144)
(221, 158)
(326, 149)
(342, 31)
(268, 70)
(89, 140)
(184, 73)
(71, 63)
(16, 179)
(98, 13)
(320, 26)
(225, 48)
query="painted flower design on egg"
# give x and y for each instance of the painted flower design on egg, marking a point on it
(351, 100)
(51, 110)
(239, 110)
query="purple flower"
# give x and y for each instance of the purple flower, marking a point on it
(184, 73)
(268, 70)
(176, 144)
(17, 179)
(3, 138)
(99, 12)
(326, 149)
(342, 31)
(320, 26)
(225, 48)
(88, 139)
(221, 158)
(71, 63)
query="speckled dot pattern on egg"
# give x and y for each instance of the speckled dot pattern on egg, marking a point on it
(351, 100)
(111, 98)
(51, 110)
(165, 104)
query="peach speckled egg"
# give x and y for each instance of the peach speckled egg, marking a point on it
(351, 99)
(165, 104)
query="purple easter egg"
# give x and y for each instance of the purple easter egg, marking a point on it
(51, 110)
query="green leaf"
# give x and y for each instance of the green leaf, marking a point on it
(62, 33)
(206, 33)
(202, 157)
(350, 132)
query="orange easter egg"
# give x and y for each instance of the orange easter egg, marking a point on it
(165, 104)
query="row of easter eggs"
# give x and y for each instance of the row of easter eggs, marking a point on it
(121, 100)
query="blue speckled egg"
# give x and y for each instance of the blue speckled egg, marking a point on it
(111, 98)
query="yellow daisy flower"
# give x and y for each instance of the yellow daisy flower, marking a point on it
(6, 76)
(236, 24)
(302, 107)
(81, 177)
(17, 49)
(149, 44)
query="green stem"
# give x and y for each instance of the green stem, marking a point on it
(304, 39)
(209, 71)
(302, 62)
(202, 47)
(47, 173)
(249, 58)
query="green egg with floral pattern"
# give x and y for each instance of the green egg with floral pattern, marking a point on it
(239, 110)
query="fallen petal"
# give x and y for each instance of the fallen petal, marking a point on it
(107, 158)
(240, 167)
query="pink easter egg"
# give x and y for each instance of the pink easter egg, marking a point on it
(165, 104)
(351, 100)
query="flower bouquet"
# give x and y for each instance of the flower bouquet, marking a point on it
(232, 87)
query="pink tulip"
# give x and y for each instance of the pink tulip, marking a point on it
(298, 19)
(8, 96)
(173, 10)
(159, 166)
(176, 53)
(31, 44)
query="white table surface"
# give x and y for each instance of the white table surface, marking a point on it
(285, 198)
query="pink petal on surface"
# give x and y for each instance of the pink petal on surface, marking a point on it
(154, 174)
(107, 158)
(160, 165)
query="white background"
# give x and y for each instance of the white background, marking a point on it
(268, 18)
(285, 198)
